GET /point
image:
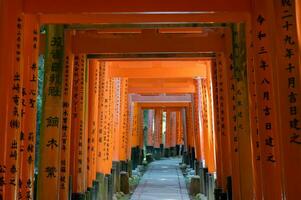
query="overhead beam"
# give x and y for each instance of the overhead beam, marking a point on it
(158, 69)
(129, 18)
(117, 6)
(92, 42)
(160, 98)
(163, 105)
(161, 86)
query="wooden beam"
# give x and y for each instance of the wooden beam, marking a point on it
(91, 42)
(161, 98)
(163, 105)
(158, 69)
(158, 86)
(117, 6)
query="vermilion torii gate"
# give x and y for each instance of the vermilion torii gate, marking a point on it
(243, 122)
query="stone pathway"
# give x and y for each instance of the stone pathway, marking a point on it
(162, 181)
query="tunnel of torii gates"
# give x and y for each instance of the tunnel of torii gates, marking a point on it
(227, 74)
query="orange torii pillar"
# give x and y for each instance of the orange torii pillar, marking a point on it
(79, 142)
(180, 134)
(150, 131)
(49, 164)
(158, 133)
(124, 126)
(65, 141)
(100, 169)
(287, 91)
(93, 106)
(224, 171)
(140, 131)
(167, 134)
(190, 135)
(28, 109)
(268, 184)
(135, 153)
(198, 135)
(173, 134)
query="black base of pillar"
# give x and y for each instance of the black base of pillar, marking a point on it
(157, 153)
(110, 186)
(217, 193)
(178, 150)
(229, 187)
(78, 196)
(102, 186)
(173, 152)
(167, 152)
(96, 189)
(149, 149)
(162, 149)
(197, 167)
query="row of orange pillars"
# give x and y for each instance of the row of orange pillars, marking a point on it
(242, 123)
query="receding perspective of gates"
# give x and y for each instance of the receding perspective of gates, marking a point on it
(91, 89)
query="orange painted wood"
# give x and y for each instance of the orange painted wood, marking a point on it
(101, 111)
(86, 42)
(115, 18)
(288, 87)
(158, 128)
(124, 134)
(29, 109)
(79, 134)
(48, 179)
(150, 132)
(211, 144)
(224, 118)
(217, 126)
(65, 141)
(117, 128)
(94, 71)
(179, 129)
(197, 121)
(168, 130)
(94, 6)
(158, 69)
(173, 129)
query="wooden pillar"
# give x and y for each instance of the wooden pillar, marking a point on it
(168, 130)
(79, 134)
(94, 70)
(158, 128)
(117, 128)
(48, 179)
(217, 126)
(173, 130)
(224, 107)
(124, 133)
(242, 138)
(65, 140)
(150, 133)
(179, 129)
(28, 107)
(287, 77)
(197, 121)
(210, 118)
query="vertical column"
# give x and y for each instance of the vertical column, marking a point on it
(225, 131)
(197, 122)
(94, 71)
(66, 119)
(150, 133)
(29, 110)
(231, 88)
(158, 132)
(124, 138)
(79, 135)
(287, 93)
(48, 179)
(167, 133)
(116, 117)
(173, 134)
(268, 129)
(179, 133)
(217, 126)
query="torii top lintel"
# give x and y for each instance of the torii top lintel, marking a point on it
(115, 6)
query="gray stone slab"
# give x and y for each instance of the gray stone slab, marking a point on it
(162, 181)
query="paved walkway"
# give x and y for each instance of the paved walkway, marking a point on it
(162, 181)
